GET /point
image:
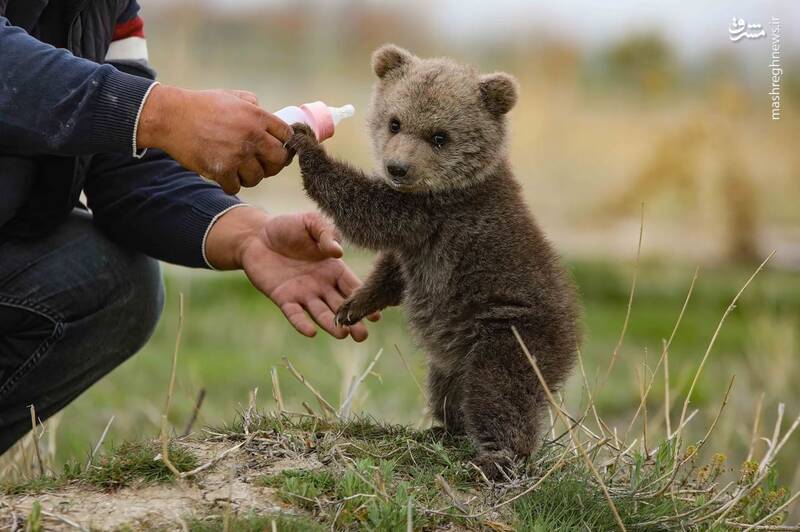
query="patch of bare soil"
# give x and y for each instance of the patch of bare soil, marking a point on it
(229, 486)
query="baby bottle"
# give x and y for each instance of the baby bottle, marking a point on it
(317, 115)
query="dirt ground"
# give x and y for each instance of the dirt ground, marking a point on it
(227, 487)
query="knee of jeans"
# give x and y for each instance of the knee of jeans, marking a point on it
(145, 301)
(132, 308)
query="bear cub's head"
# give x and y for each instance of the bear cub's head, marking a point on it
(436, 125)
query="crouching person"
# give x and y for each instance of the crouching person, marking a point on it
(80, 289)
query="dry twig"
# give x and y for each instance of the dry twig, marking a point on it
(35, 440)
(99, 443)
(615, 353)
(195, 411)
(344, 410)
(716, 333)
(276, 389)
(168, 401)
(326, 406)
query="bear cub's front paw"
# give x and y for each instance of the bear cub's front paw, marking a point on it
(351, 312)
(302, 139)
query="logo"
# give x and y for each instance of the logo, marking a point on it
(739, 30)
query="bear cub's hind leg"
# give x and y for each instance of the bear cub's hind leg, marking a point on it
(445, 399)
(502, 406)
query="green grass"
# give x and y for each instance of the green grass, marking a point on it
(368, 475)
(360, 502)
(33, 523)
(371, 472)
(37, 484)
(382, 466)
(233, 336)
(254, 523)
(123, 465)
(135, 462)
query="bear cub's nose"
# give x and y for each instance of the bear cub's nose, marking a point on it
(396, 169)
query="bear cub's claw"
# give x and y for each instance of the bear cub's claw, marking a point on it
(348, 314)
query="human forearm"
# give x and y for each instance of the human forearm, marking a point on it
(154, 206)
(63, 105)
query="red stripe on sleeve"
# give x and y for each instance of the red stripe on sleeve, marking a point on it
(132, 28)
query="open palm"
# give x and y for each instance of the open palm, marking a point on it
(296, 263)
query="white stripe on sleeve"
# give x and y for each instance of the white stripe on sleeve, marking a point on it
(130, 48)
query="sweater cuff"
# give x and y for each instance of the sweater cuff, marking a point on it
(137, 153)
(119, 102)
(210, 226)
(204, 214)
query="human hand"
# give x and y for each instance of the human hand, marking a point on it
(222, 135)
(294, 259)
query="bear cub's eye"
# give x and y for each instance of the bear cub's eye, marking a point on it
(394, 125)
(439, 139)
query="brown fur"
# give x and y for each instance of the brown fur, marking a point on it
(458, 248)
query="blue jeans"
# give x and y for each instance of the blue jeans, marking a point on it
(73, 306)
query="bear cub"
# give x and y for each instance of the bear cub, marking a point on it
(458, 248)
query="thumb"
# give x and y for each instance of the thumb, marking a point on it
(324, 234)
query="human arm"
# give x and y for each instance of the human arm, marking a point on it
(55, 103)
(223, 135)
(157, 207)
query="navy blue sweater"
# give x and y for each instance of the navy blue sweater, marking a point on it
(53, 103)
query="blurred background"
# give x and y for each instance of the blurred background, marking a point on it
(637, 103)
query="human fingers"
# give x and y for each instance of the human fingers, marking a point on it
(324, 316)
(250, 172)
(271, 152)
(358, 331)
(271, 169)
(298, 318)
(245, 95)
(229, 182)
(277, 127)
(334, 300)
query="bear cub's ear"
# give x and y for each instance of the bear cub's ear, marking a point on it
(390, 58)
(498, 92)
